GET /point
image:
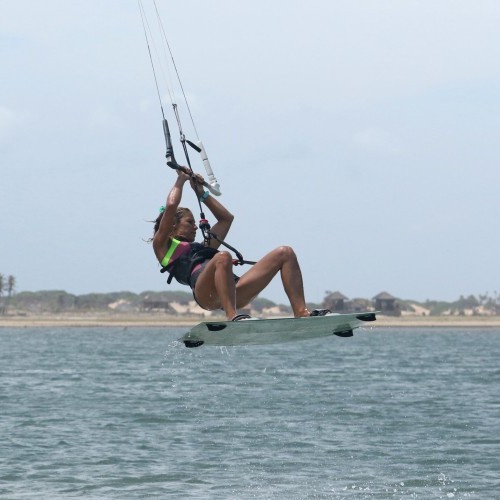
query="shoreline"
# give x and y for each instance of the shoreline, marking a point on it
(160, 320)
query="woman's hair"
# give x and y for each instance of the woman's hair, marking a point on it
(179, 214)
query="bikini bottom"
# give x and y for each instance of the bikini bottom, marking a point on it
(196, 274)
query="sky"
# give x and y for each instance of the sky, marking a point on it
(366, 135)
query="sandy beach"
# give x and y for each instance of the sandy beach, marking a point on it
(159, 320)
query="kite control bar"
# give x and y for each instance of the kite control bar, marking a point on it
(176, 166)
(212, 185)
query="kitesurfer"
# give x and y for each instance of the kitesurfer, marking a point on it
(209, 272)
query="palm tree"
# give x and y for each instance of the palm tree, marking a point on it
(2, 287)
(6, 285)
(11, 286)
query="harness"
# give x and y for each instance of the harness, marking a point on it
(182, 267)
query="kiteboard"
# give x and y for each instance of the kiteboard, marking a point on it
(274, 331)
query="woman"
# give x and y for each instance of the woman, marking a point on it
(209, 272)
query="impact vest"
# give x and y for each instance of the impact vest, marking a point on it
(182, 257)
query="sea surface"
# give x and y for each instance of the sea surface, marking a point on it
(125, 413)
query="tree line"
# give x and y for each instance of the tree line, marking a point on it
(57, 301)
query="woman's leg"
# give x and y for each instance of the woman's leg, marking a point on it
(260, 275)
(215, 287)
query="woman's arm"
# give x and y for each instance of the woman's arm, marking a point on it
(224, 220)
(220, 212)
(161, 237)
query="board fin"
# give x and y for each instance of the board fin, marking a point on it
(193, 343)
(366, 317)
(345, 333)
(216, 327)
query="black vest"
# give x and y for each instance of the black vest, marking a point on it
(181, 268)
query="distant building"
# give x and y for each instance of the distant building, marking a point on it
(387, 304)
(360, 305)
(149, 305)
(336, 302)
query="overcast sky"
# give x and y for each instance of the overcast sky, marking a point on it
(364, 134)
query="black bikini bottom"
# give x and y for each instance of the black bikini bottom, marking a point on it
(196, 274)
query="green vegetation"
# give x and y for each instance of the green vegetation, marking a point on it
(58, 301)
(483, 304)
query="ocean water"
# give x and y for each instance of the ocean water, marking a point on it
(125, 413)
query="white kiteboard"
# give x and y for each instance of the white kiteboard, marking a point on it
(274, 331)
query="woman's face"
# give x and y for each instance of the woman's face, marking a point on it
(186, 228)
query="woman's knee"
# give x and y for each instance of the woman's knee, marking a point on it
(224, 259)
(286, 253)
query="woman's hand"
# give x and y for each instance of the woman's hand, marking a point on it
(196, 180)
(197, 184)
(182, 176)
